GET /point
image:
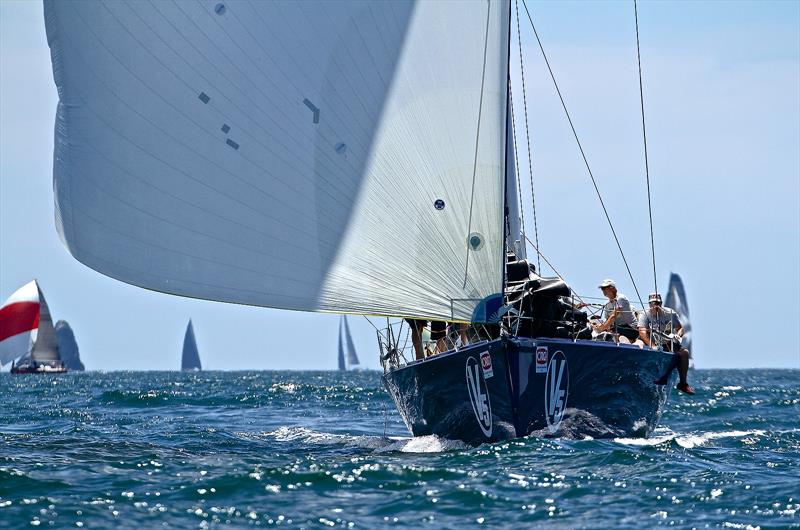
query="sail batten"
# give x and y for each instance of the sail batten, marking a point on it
(313, 156)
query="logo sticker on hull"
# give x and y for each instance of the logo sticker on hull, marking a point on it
(541, 359)
(486, 364)
(479, 395)
(556, 390)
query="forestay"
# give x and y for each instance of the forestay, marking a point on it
(325, 156)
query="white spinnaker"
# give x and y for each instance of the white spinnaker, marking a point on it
(286, 154)
(20, 315)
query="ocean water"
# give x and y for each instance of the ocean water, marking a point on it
(323, 449)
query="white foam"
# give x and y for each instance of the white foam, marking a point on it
(687, 441)
(690, 441)
(646, 442)
(419, 444)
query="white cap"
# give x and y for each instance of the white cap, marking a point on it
(608, 283)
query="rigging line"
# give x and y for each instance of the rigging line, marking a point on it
(644, 138)
(477, 140)
(554, 270)
(583, 154)
(516, 169)
(527, 136)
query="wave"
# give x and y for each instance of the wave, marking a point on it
(379, 444)
(687, 441)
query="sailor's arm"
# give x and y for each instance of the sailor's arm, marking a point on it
(607, 324)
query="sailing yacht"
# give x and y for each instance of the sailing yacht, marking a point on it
(190, 360)
(351, 157)
(27, 337)
(347, 359)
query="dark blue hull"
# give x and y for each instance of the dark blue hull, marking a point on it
(513, 387)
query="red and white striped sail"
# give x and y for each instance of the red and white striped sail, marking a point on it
(19, 316)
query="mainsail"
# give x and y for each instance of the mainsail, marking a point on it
(191, 358)
(26, 328)
(319, 156)
(676, 299)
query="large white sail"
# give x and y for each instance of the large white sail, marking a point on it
(327, 156)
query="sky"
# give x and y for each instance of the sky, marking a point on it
(722, 103)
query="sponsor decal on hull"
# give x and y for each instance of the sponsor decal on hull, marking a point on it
(486, 364)
(541, 359)
(479, 394)
(556, 390)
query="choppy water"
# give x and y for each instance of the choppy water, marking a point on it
(307, 450)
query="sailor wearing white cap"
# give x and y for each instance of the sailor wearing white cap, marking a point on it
(617, 313)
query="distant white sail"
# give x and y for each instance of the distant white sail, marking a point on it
(340, 156)
(190, 360)
(26, 328)
(341, 358)
(45, 348)
(352, 357)
(676, 299)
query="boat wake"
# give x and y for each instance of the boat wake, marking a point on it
(378, 444)
(687, 441)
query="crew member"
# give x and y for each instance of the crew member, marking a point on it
(661, 326)
(617, 314)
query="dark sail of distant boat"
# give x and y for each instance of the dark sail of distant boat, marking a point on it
(68, 347)
(676, 299)
(348, 359)
(191, 358)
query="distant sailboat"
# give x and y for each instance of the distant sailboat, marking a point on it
(348, 359)
(191, 358)
(24, 313)
(676, 299)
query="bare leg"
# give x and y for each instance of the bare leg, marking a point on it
(416, 340)
(463, 332)
(683, 365)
